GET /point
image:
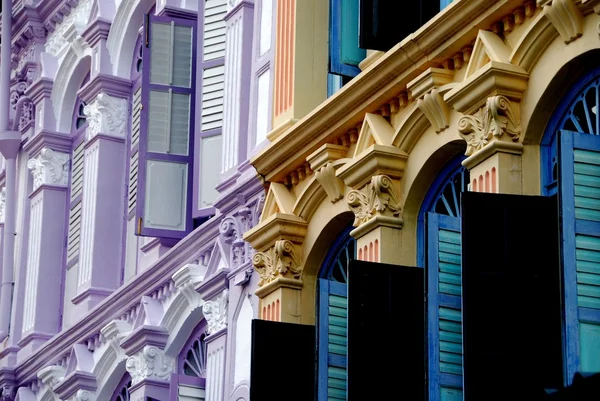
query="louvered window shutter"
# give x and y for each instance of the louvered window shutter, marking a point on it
(333, 333)
(136, 109)
(444, 308)
(164, 171)
(75, 204)
(579, 179)
(344, 53)
(213, 77)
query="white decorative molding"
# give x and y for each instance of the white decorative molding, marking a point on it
(2, 203)
(378, 197)
(185, 280)
(106, 115)
(84, 395)
(215, 313)
(49, 168)
(150, 363)
(51, 375)
(71, 27)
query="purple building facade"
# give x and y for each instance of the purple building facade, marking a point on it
(125, 192)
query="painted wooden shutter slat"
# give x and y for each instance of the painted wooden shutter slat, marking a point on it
(579, 178)
(212, 97)
(161, 53)
(333, 339)
(444, 309)
(214, 29)
(74, 228)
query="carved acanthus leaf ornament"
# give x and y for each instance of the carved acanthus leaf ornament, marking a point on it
(282, 259)
(150, 363)
(493, 120)
(377, 197)
(215, 313)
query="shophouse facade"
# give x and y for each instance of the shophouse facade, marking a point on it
(370, 152)
(126, 189)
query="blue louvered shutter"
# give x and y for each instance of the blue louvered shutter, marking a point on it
(444, 308)
(332, 334)
(579, 179)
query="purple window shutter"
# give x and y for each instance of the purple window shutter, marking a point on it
(164, 204)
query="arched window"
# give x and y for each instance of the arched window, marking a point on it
(440, 253)
(122, 391)
(190, 378)
(332, 318)
(78, 127)
(570, 159)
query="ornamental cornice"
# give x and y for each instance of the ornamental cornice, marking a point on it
(278, 226)
(378, 198)
(49, 168)
(106, 115)
(282, 260)
(67, 24)
(150, 363)
(215, 312)
(376, 160)
(498, 119)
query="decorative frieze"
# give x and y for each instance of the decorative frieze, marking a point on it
(106, 115)
(497, 118)
(215, 313)
(68, 23)
(49, 168)
(379, 197)
(150, 363)
(281, 260)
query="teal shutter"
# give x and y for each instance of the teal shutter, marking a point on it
(332, 334)
(444, 308)
(579, 179)
(344, 53)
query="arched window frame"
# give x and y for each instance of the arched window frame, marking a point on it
(432, 222)
(332, 285)
(180, 376)
(122, 390)
(579, 236)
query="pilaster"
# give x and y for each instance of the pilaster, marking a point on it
(96, 35)
(490, 98)
(375, 175)
(236, 97)
(45, 253)
(301, 57)
(215, 313)
(103, 192)
(149, 366)
(278, 260)
(39, 92)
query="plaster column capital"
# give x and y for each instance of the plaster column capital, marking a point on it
(215, 312)
(150, 363)
(380, 197)
(106, 115)
(49, 168)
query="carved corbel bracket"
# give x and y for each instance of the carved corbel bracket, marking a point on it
(565, 16)
(428, 88)
(324, 163)
(497, 119)
(380, 197)
(186, 279)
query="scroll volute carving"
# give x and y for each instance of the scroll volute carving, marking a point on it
(281, 260)
(498, 118)
(380, 197)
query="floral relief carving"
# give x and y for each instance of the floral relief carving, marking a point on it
(84, 395)
(8, 392)
(232, 229)
(50, 168)
(377, 197)
(2, 203)
(150, 363)
(215, 313)
(107, 115)
(493, 120)
(280, 260)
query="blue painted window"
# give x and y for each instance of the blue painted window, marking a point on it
(344, 53)
(571, 168)
(440, 252)
(332, 319)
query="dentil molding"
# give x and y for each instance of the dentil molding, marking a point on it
(150, 363)
(106, 115)
(283, 259)
(49, 168)
(378, 197)
(215, 313)
(492, 121)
